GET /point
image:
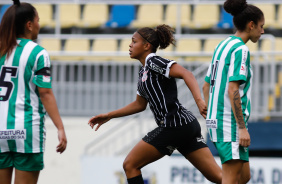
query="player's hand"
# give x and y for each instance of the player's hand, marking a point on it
(98, 120)
(202, 107)
(62, 141)
(244, 137)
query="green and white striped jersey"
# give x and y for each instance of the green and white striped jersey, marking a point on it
(21, 111)
(231, 62)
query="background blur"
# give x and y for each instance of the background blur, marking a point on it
(88, 42)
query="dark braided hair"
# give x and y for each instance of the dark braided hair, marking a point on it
(243, 13)
(159, 37)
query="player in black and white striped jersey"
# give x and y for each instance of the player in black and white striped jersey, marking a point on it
(177, 127)
(160, 90)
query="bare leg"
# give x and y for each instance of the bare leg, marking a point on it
(26, 177)
(141, 155)
(245, 173)
(204, 161)
(231, 171)
(6, 175)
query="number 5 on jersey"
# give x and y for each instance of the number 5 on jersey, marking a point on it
(6, 85)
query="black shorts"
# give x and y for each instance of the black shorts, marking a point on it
(185, 139)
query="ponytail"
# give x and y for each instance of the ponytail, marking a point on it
(8, 32)
(165, 35)
(159, 37)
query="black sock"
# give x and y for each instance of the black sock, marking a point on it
(136, 180)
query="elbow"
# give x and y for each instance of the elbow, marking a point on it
(143, 108)
(45, 92)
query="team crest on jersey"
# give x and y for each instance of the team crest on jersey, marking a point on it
(145, 76)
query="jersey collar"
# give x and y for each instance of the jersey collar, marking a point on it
(149, 56)
(238, 38)
(20, 41)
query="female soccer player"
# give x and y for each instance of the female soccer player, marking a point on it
(227, 92)
(177, 127)
(25, 93)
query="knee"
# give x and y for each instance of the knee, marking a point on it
(127, 165)
(245, 179)
(215, 178)
(214, 175)
(248, 179)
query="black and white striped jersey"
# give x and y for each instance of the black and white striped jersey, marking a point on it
(160, 91)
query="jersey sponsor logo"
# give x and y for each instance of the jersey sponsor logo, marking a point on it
(244, 57)
(13, 134)
(156, 68)
(211, 123)
(145, 76)
(243, 64)
(243, 70)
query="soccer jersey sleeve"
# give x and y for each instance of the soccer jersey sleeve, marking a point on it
(208, 76)
(238, 64)
(42, 74)
(160, 65)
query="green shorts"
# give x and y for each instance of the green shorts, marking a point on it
(22, 161)
(231, 151)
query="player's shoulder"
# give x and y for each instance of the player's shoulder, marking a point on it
(238, 44)
(242, 47)
(36, 48)
(39, 50)
(159, 59)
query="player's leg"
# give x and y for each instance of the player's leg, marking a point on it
(197, 152)
(231, 171)
(151, 148)
(6, 175)
(6, 167)
(204, 161)
(141, 155)
(26, 177)
(245, 173)
(27, 167)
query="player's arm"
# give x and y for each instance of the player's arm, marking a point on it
(177, 71)
(138, 105)
(206, 92)
(48, 100)
(235, 99)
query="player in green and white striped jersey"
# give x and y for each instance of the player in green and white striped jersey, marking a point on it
(227, 92)
(25, 93)
(231, 62)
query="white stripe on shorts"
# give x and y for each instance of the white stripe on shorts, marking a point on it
(235, 150)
